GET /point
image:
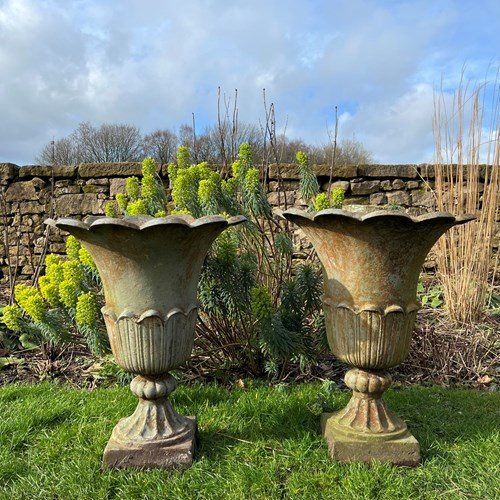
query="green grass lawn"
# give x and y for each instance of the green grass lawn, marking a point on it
(254, 443)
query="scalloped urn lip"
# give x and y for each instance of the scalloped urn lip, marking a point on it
(150, 313)
(445, 217)
(143, 222)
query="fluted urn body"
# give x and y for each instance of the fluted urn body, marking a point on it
(371, 266)
(150, 269)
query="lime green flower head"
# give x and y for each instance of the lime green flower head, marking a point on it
(11, 317)
(110, 209)
(132, 188)
(245, 153)
(72, 247)
(184, 191)
(31, 300)
(236, 168)
(54, 268)
(205, 190)
(203, 171)
(137, 207)
(49, 290)
(85, 258)
(208, 189)
(337, 197)
(180, 212)
(321, 202)
(302, 158)
(172, 172)
(86, 309)
(72, 271)
(122, 201)
(149, 166)
(22, 292)
(183, 158)
(252, 181)
(68, 293)
(149, 188)
(52, 259)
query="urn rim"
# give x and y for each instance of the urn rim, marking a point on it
(446, 217)
(144, 222)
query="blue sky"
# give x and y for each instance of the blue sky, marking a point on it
(152, 63)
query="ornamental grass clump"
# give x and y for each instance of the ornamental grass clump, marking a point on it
(464, 184)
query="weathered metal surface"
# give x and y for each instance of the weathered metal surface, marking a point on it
(404, 450)
(152, 344)
(371, 264)
(368, 339)
(150, 269)
(145, 262)
(366, 412)
(155, 436)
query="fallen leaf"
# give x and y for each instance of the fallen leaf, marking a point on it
(485, 380)
(10, 360)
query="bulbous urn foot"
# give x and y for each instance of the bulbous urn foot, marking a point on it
(155, 436)
(366, 430)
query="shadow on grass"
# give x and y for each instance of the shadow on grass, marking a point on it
(199, 395)
(434, 416)
(439, 416)
(51, 420)
(18, 442)
(285, 420)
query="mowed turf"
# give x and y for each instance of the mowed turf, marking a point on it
(262, 442)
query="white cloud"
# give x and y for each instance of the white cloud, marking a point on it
(398, 130)
(152, 63)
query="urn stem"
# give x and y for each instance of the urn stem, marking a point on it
(366, 411)
(155, 430)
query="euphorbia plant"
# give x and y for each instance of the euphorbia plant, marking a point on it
(65, 305)
(258, 311)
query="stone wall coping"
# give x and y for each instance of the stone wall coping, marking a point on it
(8, 171)
(287, 171)
(59, 171)
(124, 169)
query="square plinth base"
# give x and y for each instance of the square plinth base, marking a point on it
(402, 451)
(151, 455)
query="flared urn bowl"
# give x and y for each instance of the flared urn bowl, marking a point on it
(150, 269)
(371, 264)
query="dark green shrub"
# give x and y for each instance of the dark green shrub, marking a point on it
(257, 309)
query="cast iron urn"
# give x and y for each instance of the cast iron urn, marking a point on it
(371, 264)
(150, 269)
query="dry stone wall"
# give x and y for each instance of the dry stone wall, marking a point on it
(32, 193)
(408, 186)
